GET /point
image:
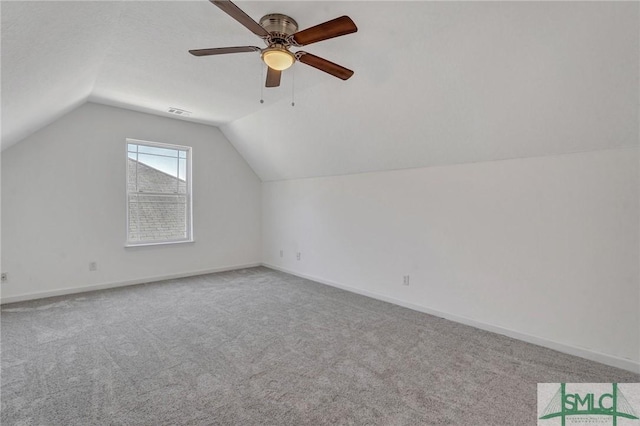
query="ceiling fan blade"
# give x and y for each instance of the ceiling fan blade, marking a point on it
(330, 29)
(324, 65)
(236, 13)
(223, 50)
(273, 77)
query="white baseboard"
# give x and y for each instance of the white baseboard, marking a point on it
(73, 290)
(611, 360)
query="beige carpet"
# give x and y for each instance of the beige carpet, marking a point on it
(258, 346)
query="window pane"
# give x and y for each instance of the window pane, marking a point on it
(133, 218)
(132, 147)
(182, 176)
(164, 164)
(183, 154)
(157, 217)
(157, 174)
(131, 174)
(158, 151)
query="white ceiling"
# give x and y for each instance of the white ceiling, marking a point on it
(435, 82)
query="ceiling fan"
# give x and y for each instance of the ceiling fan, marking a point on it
(280, 33)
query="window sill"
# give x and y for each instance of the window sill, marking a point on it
(162, 243)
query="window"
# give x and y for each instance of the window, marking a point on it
(158, 193)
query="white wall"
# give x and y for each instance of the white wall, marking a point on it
(544, 247)
(63, 204)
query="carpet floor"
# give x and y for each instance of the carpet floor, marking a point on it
(260, 347)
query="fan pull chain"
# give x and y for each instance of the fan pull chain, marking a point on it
(261, 83)
(293, 86)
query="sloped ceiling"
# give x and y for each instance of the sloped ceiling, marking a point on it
(436, 82)
(134, 54)
(51, 55)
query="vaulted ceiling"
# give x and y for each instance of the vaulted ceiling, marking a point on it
(435, 82)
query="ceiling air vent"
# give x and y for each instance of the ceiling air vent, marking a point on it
(178, 111)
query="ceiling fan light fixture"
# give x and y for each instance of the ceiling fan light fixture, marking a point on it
(278, 58)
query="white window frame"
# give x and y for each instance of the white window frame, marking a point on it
(189, 192)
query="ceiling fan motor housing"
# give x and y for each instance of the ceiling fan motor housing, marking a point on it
(279, 26)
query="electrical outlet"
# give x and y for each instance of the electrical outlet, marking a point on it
(93, 266)
(4, 277)
(298, 255)
(405, 280)
(281, 253)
